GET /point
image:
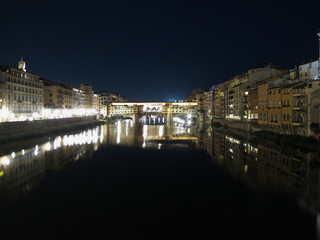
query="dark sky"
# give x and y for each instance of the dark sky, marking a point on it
(156, 50)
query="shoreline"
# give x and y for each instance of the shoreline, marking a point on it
(308, 143)
(48, 131)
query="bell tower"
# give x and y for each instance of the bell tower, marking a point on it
(22, 65)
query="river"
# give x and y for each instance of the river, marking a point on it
(131, 181)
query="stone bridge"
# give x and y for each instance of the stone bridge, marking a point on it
(163, 110)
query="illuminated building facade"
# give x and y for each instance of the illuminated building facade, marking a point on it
(57, 95)
(210, 98)
(87, 90)
(253, 101)
(21, 91)
(78, 98)
(238, 89)
(95, 102)
(219, 101)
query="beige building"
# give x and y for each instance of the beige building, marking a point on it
(95, 102)
(21, 92)
(308, 70)
(78, 98)
(236, 97)
(87, 90)
(57, 95)
(219, 101)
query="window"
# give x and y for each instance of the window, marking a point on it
(284, 117)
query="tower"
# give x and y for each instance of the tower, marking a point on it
(22, 65)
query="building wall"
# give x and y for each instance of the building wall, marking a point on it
(23, 91)
(13, 127)
(299, 108)
(274, 107)
(313, 106)
(78, 98)
(87, 90)
(308, 71)
(219, 101)
(263, 103)
(253, 102)
(57, 95)
(286, 99)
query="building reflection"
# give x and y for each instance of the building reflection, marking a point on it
(267, 165)
(24, 170)
(148, 136)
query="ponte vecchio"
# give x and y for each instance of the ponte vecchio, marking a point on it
(149, 111)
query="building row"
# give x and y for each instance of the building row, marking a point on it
(270, 98)
(23, 94)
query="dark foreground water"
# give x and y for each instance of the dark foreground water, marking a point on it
(126, 181)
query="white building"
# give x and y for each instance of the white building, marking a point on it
(21, 91)
(308, 70)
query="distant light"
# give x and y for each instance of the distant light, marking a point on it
(13, 155)
(5, 161)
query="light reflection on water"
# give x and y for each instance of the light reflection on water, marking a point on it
(25, 168)
(257, 164)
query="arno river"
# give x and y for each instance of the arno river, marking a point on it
(131, 181)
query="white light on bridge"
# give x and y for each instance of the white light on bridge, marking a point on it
(161, 131)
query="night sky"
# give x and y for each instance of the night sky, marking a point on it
(156, 50)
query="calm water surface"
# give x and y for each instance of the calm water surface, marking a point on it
(131, 181)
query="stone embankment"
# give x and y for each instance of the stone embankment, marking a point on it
(27, 126)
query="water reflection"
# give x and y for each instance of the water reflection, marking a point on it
(24, 170)
(149, 136)
(267, 165)
(258, 164)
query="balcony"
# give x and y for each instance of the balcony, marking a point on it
(298, 107)
(297, 123)
(299, 94)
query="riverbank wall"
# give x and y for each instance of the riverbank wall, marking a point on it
(7, 128)
(242, 126)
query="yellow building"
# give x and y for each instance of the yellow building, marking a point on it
(274, 107)
(87, 90)
(219, 101)
(286, 99)
(263, 103)
(57, 95)
(253, 103)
